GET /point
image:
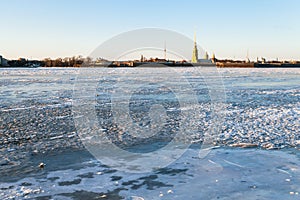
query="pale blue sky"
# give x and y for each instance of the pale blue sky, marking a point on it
(60, 28)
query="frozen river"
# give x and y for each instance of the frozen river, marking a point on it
(150, 133)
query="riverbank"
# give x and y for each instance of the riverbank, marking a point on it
(256, 65)
(156, 65)
(154, 62)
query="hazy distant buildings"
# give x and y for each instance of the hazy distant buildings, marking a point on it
(205, 60)
(102, 62)
(3, 61)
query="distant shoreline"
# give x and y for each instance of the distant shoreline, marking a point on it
(217, 65)
(81, 62)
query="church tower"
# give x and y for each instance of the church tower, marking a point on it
(195, 51)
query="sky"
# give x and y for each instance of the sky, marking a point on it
(38, 29)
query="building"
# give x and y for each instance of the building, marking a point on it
(3, 61)
(213, 58)
(195, 60)
(195, 51)
(205, 59)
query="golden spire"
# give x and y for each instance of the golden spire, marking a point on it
(195, 50)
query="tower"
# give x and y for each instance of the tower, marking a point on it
(195, 51)
(213, 58)
(165, 51)
(206, 57)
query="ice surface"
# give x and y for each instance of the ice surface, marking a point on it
(261, 108)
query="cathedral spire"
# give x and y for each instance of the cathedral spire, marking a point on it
(195, 50)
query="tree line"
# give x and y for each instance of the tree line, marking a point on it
(75, 61)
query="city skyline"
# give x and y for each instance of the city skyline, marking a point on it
(232, 29)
